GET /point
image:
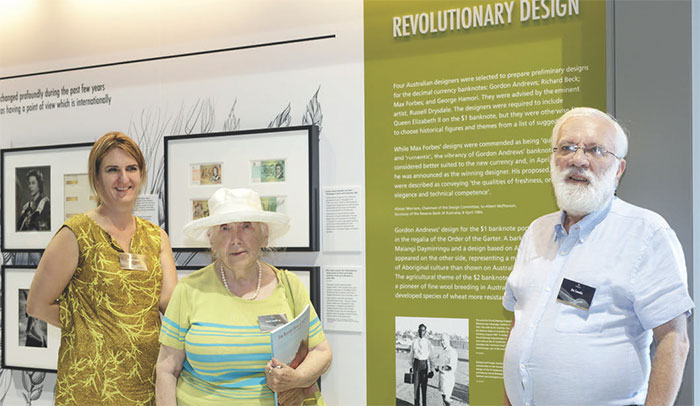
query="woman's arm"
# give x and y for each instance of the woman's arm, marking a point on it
(167, 263)
(168, 369)
(281, 377)
(55, 270)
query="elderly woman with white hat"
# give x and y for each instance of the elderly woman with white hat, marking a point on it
(213, 351)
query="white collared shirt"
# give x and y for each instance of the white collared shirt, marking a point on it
(559, 354)
(420, 349)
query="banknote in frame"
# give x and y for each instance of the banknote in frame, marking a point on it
(206, 174)
(200, 208)
(277, 204)
(269, 170)
(78, 195)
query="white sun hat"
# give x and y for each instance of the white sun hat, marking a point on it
(236, 206)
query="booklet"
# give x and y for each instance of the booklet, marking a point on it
(290, 342)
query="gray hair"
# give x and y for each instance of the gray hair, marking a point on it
(621, 142)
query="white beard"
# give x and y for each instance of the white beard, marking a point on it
(583, 199)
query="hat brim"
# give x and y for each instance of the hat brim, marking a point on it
(277, 224)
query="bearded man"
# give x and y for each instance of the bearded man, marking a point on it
(593, 284)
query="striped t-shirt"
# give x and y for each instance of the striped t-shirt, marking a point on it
(225, 351)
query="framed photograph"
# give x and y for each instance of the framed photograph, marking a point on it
(27, 343)
(449, 356)
(309, 275)
(41, 188)
(281, 164)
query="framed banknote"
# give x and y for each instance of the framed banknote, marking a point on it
(281, 164)
(41, 188)
(27, 342)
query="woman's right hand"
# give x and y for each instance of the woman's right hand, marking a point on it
(280, 377)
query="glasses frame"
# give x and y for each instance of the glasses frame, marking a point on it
(586, 151)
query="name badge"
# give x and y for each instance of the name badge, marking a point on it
(576, 294)
(269, 322)
(132, 262)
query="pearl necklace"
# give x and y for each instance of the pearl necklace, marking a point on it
(223, 279)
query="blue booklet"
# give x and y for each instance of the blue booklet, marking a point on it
(290, 342)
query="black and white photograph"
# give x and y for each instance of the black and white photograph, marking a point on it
(42, 186)
(26, 341)
(432, 361)
(32, 196)
(32, 331)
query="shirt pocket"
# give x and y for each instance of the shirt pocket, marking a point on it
(571, 320)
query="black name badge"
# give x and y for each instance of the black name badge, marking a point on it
(576, 294)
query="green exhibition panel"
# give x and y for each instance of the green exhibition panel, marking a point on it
(460, 101)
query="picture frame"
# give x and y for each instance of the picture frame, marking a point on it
(309, 275)
(184, 270)
(40, 187)
(281, 164)
(27, 343)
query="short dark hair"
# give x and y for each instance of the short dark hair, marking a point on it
(39, 178)
(422, 325)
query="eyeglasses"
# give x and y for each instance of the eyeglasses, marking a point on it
(595, 151)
